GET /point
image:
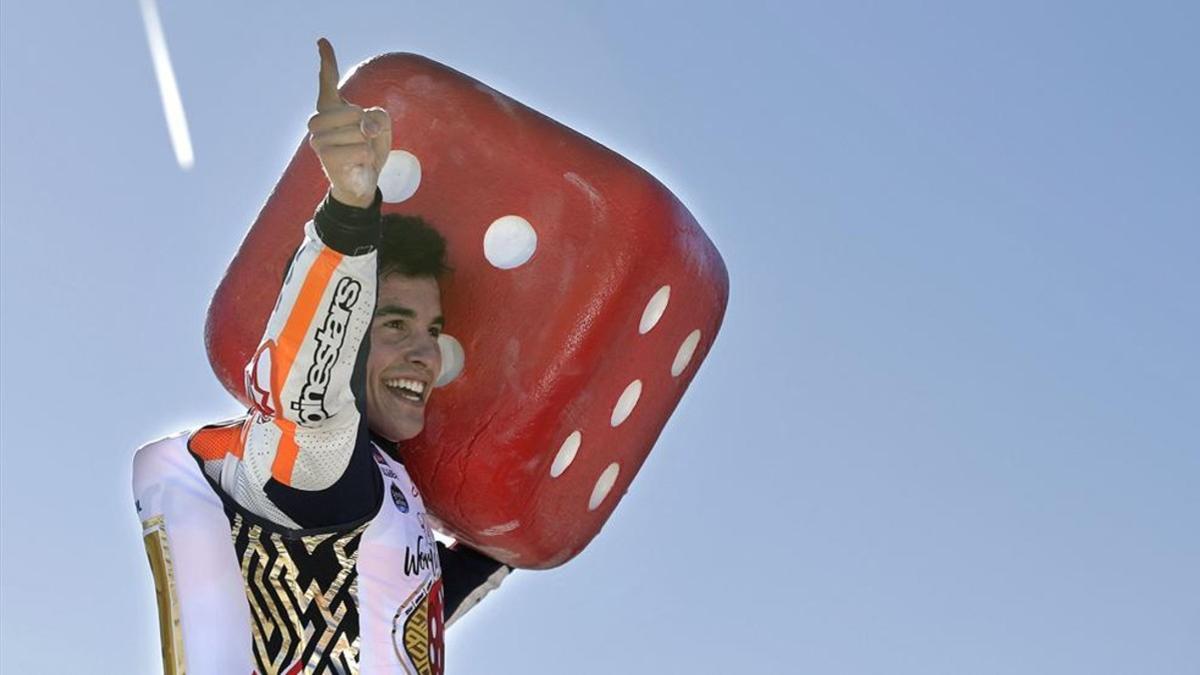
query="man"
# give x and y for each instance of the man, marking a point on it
(293, 540)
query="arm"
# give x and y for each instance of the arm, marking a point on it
(304, 459)
(305, 451)
(468, 576)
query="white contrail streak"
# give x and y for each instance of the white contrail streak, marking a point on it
(172, 104)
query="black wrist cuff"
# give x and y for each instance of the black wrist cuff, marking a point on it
(349, 230)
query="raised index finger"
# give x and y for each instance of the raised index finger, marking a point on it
(327, 92)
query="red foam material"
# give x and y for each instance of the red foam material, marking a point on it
(550, 345)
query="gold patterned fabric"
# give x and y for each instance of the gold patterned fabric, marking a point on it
(303, 595)
(154, 534)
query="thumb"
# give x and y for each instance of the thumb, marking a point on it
(377, 127)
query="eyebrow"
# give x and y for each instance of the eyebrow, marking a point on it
(386, 310)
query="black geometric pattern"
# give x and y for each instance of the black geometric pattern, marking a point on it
(303, 595)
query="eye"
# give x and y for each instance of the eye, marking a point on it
(435, 330)
(400, 326)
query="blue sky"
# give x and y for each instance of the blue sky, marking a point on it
(951, 423)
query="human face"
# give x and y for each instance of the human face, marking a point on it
(405, 358)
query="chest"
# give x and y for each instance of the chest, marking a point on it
(352, 599)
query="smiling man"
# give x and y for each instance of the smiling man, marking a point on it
(293, 540)
(404, 359)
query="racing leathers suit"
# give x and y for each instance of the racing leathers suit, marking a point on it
(293, 540)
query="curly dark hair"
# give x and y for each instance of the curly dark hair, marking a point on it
(412, 247)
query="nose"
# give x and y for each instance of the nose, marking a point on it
(425, 351)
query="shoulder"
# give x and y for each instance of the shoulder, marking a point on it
(184, 451)
(167, 477)
(157, 465)
(163, 466)
(158, 457)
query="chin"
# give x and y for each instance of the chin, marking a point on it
(406, 432)
(407, 436)
(399, 425)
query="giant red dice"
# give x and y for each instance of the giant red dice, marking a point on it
(582, 299)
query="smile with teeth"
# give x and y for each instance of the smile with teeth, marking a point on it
(412, 390)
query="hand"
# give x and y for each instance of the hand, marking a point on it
(352, 143)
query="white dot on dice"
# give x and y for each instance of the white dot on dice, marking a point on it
(509, 242)
(566, 454)
(604, 485)
(625, 403)
(684, 355)
(453, 359)
(400, 176)
(654, 309)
